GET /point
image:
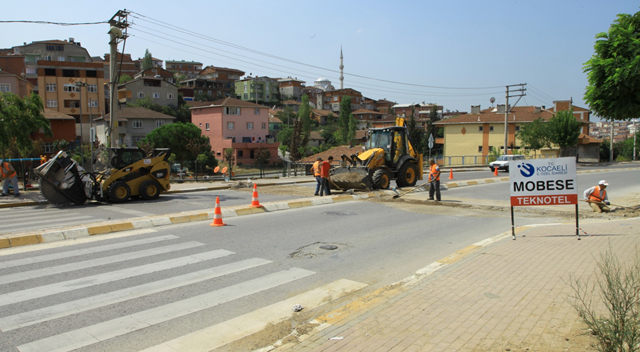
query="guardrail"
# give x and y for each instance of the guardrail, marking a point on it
(474, 160)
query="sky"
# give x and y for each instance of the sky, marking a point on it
(455, 53)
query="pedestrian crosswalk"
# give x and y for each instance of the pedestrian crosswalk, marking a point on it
(45, 294)
(30, 218)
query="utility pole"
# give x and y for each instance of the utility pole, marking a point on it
(118, 23)
(517, 93)
(79, 86)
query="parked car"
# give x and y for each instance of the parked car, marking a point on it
(502, 163)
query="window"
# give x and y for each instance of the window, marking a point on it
(156, 95)
(92, 88)
(479, 149)
(48, 148)
(169, 96)
(231, 125)
(231, 111)
(60, 58)
(246, 96)
(92, 103)
(517, 128)
(206, 126)
(52, 103)
(240, 153)
(479, 128)
(69, 88)
(51, 87)
(5, 87)
(335, 98)
(137, 123)
(256, 111)
(160, 123)
(264, 125)
(140, 94)
(490, 128)
(249, 125)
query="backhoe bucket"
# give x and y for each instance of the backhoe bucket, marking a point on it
(353, 177)
(60, 181)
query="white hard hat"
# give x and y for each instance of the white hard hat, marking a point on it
(603, 182)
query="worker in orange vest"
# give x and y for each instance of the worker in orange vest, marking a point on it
(597, 197)
(316, 169)
(325, 168)
(434, 179)
(9, 175)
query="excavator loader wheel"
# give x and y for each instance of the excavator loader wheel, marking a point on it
(407, 175)
(381, 179)
(119, 192)
(150, 190)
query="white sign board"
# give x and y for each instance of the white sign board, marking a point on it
(543, 182)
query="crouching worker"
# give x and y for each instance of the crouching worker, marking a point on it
(597, 197)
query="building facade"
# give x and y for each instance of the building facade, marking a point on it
(158, 89)
(190, 69)
(10, 83)
(260, 90)
(291, 88)
(237, 124)
(133, 125)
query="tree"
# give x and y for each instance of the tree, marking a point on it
(177, 137)
(343, 119)
(534, 135)
(147, 61)
(20, 118)
(304, 114)
(230, 157)
(415, 133)
(125, 78)
(296, 148)
(613, 71)
(563, 130)
(263, 156)
(286, 115)
(352, 129)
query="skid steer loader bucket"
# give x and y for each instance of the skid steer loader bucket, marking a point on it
(351, 177)
(60, 181)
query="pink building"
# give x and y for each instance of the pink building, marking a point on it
(237, 124)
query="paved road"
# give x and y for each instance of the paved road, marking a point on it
(46, 216)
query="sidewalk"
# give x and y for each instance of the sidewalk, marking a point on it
(502, 296)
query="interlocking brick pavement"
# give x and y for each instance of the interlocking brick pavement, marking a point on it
(510, 295)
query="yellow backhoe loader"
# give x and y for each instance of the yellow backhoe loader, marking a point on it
(388, 156)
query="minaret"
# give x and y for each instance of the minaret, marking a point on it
(341, 70)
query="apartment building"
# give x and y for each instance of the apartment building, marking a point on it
(291, 88)
(190, 69)
(260, 90)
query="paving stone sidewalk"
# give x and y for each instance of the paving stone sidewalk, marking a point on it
(507, 296)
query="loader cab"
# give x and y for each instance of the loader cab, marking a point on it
(123, 157)
(392, 140)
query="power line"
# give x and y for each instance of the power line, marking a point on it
(236, 46)
(57, 23)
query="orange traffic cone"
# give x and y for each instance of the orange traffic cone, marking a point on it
(217, 214)
(451, 174)
(495, 171)
(254, 199)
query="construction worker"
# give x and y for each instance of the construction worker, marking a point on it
(326, 166)
(316, 169)
(434, 179)
(9, 175)
(597, 197)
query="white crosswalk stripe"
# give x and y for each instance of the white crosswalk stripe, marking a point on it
(21, 219)
(161, 289)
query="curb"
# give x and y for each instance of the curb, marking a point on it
(101, 228)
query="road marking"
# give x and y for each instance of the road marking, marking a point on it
(129, 211)
(83, 282)
(79, 252)
(65, 268)
(81, 305)
(127, 324)
(237, 328)
(30, 224)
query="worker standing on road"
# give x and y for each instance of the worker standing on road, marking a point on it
(434, 179)
(597, 197)
(326, 166)
(317, 173)
(9, 175)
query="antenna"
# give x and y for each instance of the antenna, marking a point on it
(492, 100)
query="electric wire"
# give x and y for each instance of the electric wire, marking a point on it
(185, 31)
(57, 23)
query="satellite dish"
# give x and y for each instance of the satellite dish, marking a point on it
(492, 100)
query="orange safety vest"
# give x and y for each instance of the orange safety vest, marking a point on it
(7, 170)
(595, 195)
(317, 168)
(433, 170)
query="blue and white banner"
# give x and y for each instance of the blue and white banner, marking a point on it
(543, 182)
